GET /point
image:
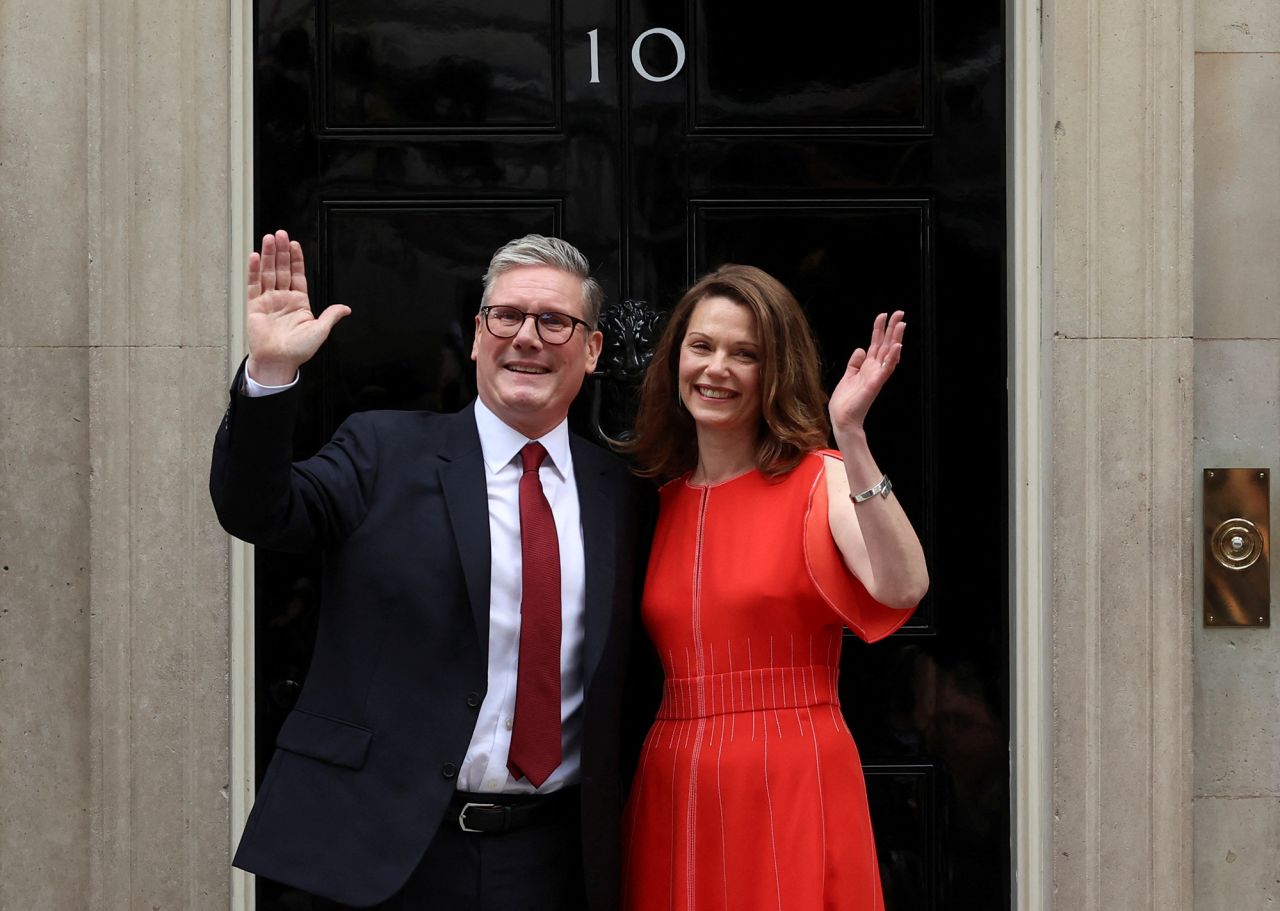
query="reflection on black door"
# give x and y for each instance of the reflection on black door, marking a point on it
(855, 151)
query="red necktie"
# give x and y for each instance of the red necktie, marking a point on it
(535, 735)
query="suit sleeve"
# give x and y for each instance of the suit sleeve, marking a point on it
(263, 497)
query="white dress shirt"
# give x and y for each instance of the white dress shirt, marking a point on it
(484, 768)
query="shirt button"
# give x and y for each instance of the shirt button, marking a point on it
(448, 770)
(473, 699)
(508, 724)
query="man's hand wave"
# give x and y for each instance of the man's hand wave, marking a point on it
(283, 333)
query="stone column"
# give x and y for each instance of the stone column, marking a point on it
(1119, 458)
(113, 355)
(157, 246)
(44, 458)
(1237, 388)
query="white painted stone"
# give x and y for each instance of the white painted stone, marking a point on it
(158, 203)
(159, 119)
(1237, 711)
(43, 162)
(1237, 692)
(1237, 204)
(1121, 547)
(1237, 853)
(44, 628)
(1237, 25)
(160, 661)
(1120, 125)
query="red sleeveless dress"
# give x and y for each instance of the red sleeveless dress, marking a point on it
(749, 793)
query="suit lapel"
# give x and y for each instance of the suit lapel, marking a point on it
(466, 497)
(598, 548)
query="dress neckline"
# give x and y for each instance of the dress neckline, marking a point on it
(688, 480)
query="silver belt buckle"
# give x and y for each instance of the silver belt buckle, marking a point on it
(462, 816)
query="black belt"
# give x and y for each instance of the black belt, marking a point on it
(490, 813)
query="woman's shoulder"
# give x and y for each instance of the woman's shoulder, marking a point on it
(674, 486)
(815, 461)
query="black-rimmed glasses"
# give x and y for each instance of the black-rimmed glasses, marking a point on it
(552, 327)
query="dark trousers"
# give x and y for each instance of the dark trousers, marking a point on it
(536, 868)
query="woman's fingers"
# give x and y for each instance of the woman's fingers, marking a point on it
(886, 332)
(877, 334)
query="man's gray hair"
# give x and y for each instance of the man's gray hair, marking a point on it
(539, 250)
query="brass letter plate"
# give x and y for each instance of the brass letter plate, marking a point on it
(1237, 535)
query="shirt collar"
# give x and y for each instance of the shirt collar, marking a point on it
(499, 443)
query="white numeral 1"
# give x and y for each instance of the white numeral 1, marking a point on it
(595, 55)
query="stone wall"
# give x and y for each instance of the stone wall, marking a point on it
(45, 767)
(1119, 321)
(114, 603)
(1237, 424)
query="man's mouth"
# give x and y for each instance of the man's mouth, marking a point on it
(527, 368)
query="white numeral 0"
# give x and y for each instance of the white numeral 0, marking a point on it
(675, 41)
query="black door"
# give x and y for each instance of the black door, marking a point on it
(855, 151)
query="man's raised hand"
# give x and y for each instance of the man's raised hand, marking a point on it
(283, 333)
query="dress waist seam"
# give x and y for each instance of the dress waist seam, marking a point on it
(760, 689)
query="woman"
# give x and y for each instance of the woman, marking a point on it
(749, 792)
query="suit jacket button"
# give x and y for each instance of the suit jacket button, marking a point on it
(473, 699)
(448, 770)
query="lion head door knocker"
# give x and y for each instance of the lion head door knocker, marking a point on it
(631, 329)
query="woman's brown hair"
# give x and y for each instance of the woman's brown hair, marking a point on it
(793, 417)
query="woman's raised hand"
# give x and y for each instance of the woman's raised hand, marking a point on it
(283, 333)
(868, 370)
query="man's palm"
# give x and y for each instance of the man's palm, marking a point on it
(283, 332)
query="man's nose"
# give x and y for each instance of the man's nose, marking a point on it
(528, 334)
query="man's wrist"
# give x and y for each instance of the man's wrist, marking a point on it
(271, 373)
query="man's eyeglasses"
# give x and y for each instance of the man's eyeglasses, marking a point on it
(552, 327)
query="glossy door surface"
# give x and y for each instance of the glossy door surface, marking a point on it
(855, 151)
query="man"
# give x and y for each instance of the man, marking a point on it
(456, 745)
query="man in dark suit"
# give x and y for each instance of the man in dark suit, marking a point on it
(456, 744)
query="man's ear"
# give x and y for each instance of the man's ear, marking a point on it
(475, 340)
(594, 343)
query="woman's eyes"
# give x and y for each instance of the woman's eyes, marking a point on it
(742, 353)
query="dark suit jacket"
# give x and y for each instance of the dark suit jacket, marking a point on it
(366, 762)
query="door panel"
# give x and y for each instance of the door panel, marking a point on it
(820, 67)
(855, 152)
(392, 65)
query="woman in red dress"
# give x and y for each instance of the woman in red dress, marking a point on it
(749, 792)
